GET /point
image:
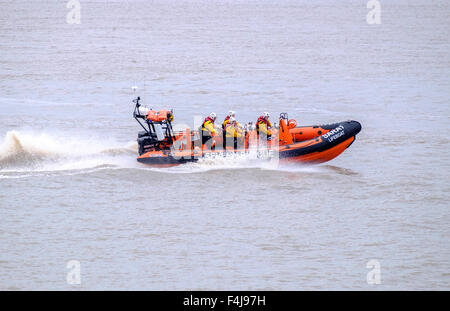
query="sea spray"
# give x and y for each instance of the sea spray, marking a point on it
(24, 151)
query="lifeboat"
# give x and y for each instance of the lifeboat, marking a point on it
(159, 145)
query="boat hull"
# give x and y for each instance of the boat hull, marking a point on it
(312, 145)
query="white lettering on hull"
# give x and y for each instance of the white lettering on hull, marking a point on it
(334, 134)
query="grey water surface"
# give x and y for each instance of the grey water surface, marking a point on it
(71, 188)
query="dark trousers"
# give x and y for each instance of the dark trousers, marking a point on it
(235, 142)
(207, 140)
(224, 136)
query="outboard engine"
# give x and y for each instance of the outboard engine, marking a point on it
(145, 143)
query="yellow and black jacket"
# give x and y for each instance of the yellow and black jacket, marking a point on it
(233, 130)
(225, 122)
(263, 126)
(208, 127)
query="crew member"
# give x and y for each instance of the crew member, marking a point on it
(233, 130)
(263, 125)
(230, 114)
(224, 125)
(170, 116)
(208, 130)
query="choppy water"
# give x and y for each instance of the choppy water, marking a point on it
(71, 189)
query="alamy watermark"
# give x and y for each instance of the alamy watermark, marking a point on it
(374, 275)
(74, 15)
(247, 147)
(374, 15)
(73, 277)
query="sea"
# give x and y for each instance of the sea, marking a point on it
(78, 212)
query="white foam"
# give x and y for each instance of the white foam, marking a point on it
(30, 152)
(22, 153)
(218, 161)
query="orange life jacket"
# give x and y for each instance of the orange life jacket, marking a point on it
(158, 116)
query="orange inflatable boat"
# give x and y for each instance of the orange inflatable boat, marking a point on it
(159, 145)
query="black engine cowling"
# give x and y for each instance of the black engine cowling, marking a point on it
(145, 142)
